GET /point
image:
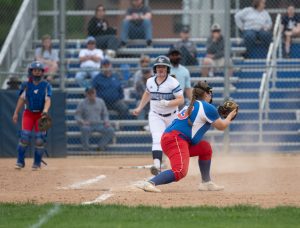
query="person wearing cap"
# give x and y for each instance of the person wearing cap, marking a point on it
(137, 23)
(181, 73)
(214, 58)
(92, 115)
(90, 62)
(255, 24)
(187, 48)
(109, 87)
(13, 83)
(104, 34)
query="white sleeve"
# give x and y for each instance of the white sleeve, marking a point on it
(269, 20)
(99, 53)
(240, 17)
(148, 83)
(177, 91)
(82, 53)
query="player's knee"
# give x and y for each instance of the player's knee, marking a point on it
(181, 174)
(39, 139)
(207, 151)
(24, 138)
(39, 142)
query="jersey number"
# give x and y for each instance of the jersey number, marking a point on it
(183, 114)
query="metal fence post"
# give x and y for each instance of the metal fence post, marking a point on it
(55, 19)
(227, 63)
(62, 37)
(35, 15)
(186, 14)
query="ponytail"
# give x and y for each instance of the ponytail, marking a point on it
(199, 91)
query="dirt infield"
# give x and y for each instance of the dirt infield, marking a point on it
(263, 180)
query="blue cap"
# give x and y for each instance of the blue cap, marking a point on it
(105, 61)
(90, 39)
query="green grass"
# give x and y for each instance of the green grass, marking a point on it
(25, 215)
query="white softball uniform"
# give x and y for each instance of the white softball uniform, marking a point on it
(161, 116)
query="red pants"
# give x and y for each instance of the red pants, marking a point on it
(179, 152)
(30, 120)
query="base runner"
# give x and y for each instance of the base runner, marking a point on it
(165, 95)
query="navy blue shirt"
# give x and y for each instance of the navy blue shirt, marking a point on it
(290, 22)
(108, 88)
(35, 95)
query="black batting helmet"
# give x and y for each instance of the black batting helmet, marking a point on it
(162, 60)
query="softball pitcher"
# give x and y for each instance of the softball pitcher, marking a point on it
(165, 95)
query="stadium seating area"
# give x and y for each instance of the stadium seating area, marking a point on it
(280, 129)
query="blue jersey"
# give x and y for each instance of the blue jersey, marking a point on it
(203, 115)
(35, 95)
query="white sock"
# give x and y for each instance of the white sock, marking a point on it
(156, 163)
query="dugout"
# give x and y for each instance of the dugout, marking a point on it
(56, 138)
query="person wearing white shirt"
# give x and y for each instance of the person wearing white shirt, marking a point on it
(165, 95)
(255, 23)
(90, 63)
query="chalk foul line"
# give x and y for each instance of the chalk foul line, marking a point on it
(99, 199)
(80, 184)
(53, 211)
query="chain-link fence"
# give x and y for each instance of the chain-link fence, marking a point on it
(224, 47)
(8, 13)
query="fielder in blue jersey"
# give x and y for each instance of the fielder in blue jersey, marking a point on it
(35, 95)
(184, 139)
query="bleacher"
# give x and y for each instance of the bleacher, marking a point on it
(280, 129)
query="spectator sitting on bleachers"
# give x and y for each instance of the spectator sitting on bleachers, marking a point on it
(48, 56)
(137, 23)
(144, 63)
(181, 73)
(290, 27)
(13, 83)
(214, 59)
(92, 115)
(140, 87)
(90, 62)
(105, 35)
(187, 48)
(108, 87)
(255, 23)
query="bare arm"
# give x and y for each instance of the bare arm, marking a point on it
(147, 16)
(84, 58)
(188, 93)
(95, 58)
(145, 99)
(223, 124)
(47, 105)
(20, 104)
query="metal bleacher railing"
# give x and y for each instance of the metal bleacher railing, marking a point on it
(273, 92)
(17, 40)
(246, 131)
(270, 74)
